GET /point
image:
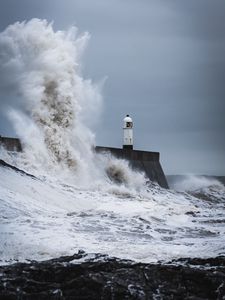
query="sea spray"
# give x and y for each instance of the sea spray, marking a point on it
(191, 183)
(56, 106)
(46, 71)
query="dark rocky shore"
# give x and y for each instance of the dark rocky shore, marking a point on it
(101, 277)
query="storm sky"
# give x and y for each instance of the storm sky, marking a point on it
(164, 61)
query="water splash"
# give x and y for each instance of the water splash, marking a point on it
(57, 106)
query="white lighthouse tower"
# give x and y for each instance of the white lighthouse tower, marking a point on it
(127, 133)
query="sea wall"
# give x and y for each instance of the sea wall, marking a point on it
(10, 144)
(140, 160)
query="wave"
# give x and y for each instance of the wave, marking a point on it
(57, 106)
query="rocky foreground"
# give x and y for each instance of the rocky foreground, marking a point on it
(82, 276)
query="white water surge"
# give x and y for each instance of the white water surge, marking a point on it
(72, 203)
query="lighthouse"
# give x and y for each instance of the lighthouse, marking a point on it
(127, 133)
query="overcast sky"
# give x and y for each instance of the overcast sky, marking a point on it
(165, 66)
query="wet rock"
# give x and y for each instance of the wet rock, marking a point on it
(82, 276)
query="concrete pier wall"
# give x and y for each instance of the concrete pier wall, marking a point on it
(10, 144)
(138, 160)
(141, 160)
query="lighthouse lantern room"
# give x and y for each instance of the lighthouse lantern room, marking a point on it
(127, 133)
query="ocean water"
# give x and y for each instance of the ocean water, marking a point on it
(46, 217)
(73, 202)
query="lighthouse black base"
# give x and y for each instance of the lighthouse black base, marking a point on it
(128, 147)
(145, 161)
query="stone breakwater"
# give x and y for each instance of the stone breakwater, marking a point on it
(83, 276)
(144, 161)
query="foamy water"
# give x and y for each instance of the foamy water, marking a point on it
(45, 217)
(74, 202)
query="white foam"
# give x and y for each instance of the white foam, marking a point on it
(45, 218)
(192, 183)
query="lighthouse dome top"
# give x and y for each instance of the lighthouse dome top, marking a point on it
(127, 119)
